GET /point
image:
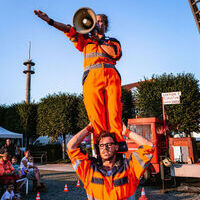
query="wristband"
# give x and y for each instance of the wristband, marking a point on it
(127, 133)
(89, 129)
(50, 22)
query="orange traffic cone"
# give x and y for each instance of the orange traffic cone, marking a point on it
(38, 196)
(65, 188)
(78, 184)
(143, 196)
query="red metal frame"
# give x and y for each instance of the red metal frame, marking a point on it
(158, 139)
(188, 142)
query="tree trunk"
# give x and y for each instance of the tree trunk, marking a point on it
(63, 146)
(27, 137)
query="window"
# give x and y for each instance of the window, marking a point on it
(144, 130)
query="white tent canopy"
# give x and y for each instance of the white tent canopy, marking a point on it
(8, 134)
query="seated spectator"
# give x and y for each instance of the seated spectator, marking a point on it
(15, 165)
(30, 165)
(9, 193)
(9, 148)
(7, 172)
(30, 162)
(29, 170)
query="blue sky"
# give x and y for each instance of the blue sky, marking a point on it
(156, 37)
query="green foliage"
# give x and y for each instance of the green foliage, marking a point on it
(83, 120)
(184, 116)
(2, 114)
(21, 118)
(28, 117)
(127, 105)
(58, 115)
(12, 119)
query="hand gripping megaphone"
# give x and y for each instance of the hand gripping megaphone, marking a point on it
(84, 20)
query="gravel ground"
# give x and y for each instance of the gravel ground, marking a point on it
(55, 182)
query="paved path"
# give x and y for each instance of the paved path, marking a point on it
(57, 167)
(55, 182)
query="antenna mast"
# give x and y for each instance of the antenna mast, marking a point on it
(28, 73)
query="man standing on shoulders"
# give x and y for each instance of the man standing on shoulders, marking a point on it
(110, 176)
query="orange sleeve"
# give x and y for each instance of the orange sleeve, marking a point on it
(77, 39)
(140, 160)
(81, 164)
(117, 47)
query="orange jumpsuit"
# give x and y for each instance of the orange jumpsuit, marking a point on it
(101, 85)
(121, 183)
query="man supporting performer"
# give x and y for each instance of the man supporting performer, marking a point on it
(110, 176)
(101, 80)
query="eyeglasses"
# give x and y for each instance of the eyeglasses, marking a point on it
(107, 145)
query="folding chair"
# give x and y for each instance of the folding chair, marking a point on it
(24, 182)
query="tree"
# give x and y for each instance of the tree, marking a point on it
(28, 119)
(21, 118)
(184, 116)
(83, 120)
(128, 110)
(12, 119)
(58, 116)
(2, 114)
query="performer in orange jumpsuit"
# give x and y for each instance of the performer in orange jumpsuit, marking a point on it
(101, 80)
(110, 176)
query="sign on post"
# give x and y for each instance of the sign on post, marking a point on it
(171, 98)
(167, 99)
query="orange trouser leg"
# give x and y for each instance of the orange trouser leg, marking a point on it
(93, 93)
(113, 104)
(102, 99)
(114, 107)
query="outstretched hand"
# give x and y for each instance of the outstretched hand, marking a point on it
(41, 15)
(89, 128)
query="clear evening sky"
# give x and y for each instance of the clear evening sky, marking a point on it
(157, 36)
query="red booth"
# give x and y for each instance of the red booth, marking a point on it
(152, 129)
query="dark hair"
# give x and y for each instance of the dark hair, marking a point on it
(119, 156)
(9, 184)
(14, 157)
(105, 19)
(104, 134)
(26, 151)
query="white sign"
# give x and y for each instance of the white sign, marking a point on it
(171, 98)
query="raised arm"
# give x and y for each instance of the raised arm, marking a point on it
(109, 50)
(79, 137)
(138, 139)
(60, 26)
(112, 48)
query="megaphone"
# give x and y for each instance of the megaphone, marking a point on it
(84, 20)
